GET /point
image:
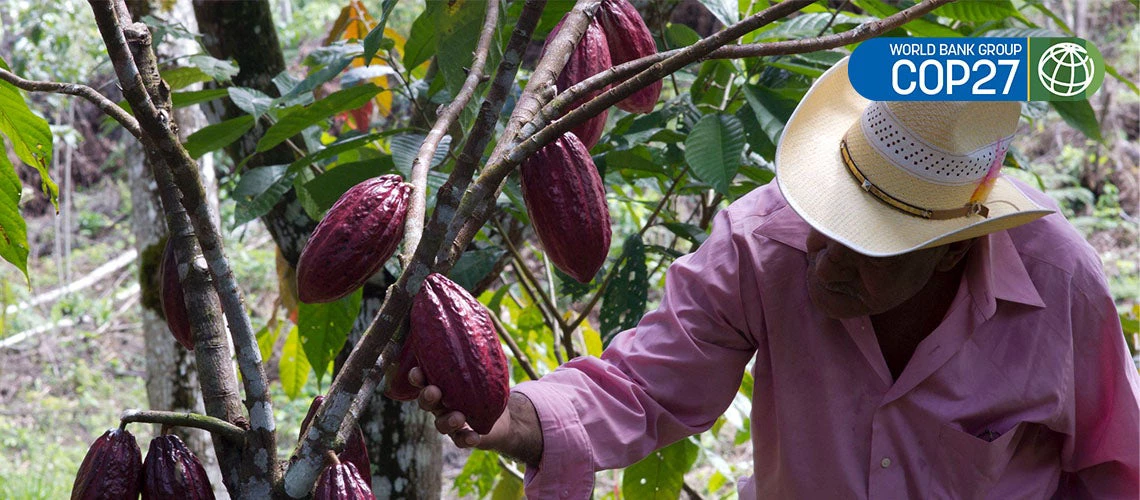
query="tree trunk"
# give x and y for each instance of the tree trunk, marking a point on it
(171, 375)
(403, 444)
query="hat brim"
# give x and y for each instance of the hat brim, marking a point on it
(812, 177)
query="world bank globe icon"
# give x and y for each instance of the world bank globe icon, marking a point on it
(1066, 69)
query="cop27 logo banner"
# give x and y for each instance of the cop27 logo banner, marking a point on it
(976, 69)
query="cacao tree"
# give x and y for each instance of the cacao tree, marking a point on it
(404, 145)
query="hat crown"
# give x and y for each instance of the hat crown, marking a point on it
(957, 128)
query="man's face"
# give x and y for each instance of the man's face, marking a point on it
(845, 284)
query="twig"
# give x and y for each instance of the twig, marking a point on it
(216, 426)
(520, 356)
(99, 100)
(414, 223)
(484, 127)
(527, 279)
(510, 469)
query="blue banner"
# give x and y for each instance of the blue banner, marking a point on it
(975, 69)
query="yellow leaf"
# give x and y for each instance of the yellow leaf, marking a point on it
(593, 339)
(287, 285)
(383, 99)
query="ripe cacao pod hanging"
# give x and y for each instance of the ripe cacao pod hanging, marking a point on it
(458, 351)
(341, 481)
(567, 205)
(590, 57)
(355, 449)
(172, 471)
(112, 469)
(360, 232)
(396, 382)
(629, 38)
(174, 299)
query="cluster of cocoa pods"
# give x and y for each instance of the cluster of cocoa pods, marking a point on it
(561, 186)
(114, 470)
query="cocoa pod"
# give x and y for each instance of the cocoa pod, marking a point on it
(458, 351)
(590, 57)
(355, 449)
(341, 481)
(174, 299)
(567, 205)
(629, 39)
(396, 385)
(360, 232)
(112, 469)
(172, 471)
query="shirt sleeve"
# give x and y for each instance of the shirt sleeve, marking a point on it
(668, 378)
(1101, 459)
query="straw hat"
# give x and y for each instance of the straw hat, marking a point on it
(885, 178)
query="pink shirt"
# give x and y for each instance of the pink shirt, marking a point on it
(1025, 390)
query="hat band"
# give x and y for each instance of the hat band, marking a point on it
(883, 196)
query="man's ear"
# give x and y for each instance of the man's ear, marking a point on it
(955, 252)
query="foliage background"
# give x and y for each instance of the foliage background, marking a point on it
(69, 365)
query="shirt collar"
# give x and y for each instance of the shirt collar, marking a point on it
(994, 267)
(995, 271)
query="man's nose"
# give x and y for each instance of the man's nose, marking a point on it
(832, 260)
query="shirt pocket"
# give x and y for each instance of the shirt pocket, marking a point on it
(967, 465)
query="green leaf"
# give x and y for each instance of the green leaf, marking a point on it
(373, 38)
(183, 99)
(1079, 115)
(183, 76)
(725, 11)
(1110, 69)
(810, 25)
(13, 230)
(421, 41)
(217, 136)
(508, 488)
(974, 11)
(679, 35)
(341, 146)
(474, 265)
(267, 338)
(405, 148)
(713, 149)
(324, 328)
(252, 101)
(623, 303)
(478, 474)
(30, 135)
(310, 115)
(689, 232)
(258, 190)
(661, 475)
(326, 188)
(570, 287)
(319, 77)
(216, 69)
(917, 27)
(294, 366)
(772, 110)
(458, 27)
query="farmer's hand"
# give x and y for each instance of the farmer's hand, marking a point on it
(516, 433)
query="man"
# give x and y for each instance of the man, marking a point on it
(922, 328)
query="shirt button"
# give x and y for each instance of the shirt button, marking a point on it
(885, 463)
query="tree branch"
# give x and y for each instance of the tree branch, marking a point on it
(216, 426)
(99, 100)
(520, 356)
(414, 223)
(258, 473)
(484, 127)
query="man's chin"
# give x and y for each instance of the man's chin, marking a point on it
(836, 305)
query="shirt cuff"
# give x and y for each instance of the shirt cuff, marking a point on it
(565, 469)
